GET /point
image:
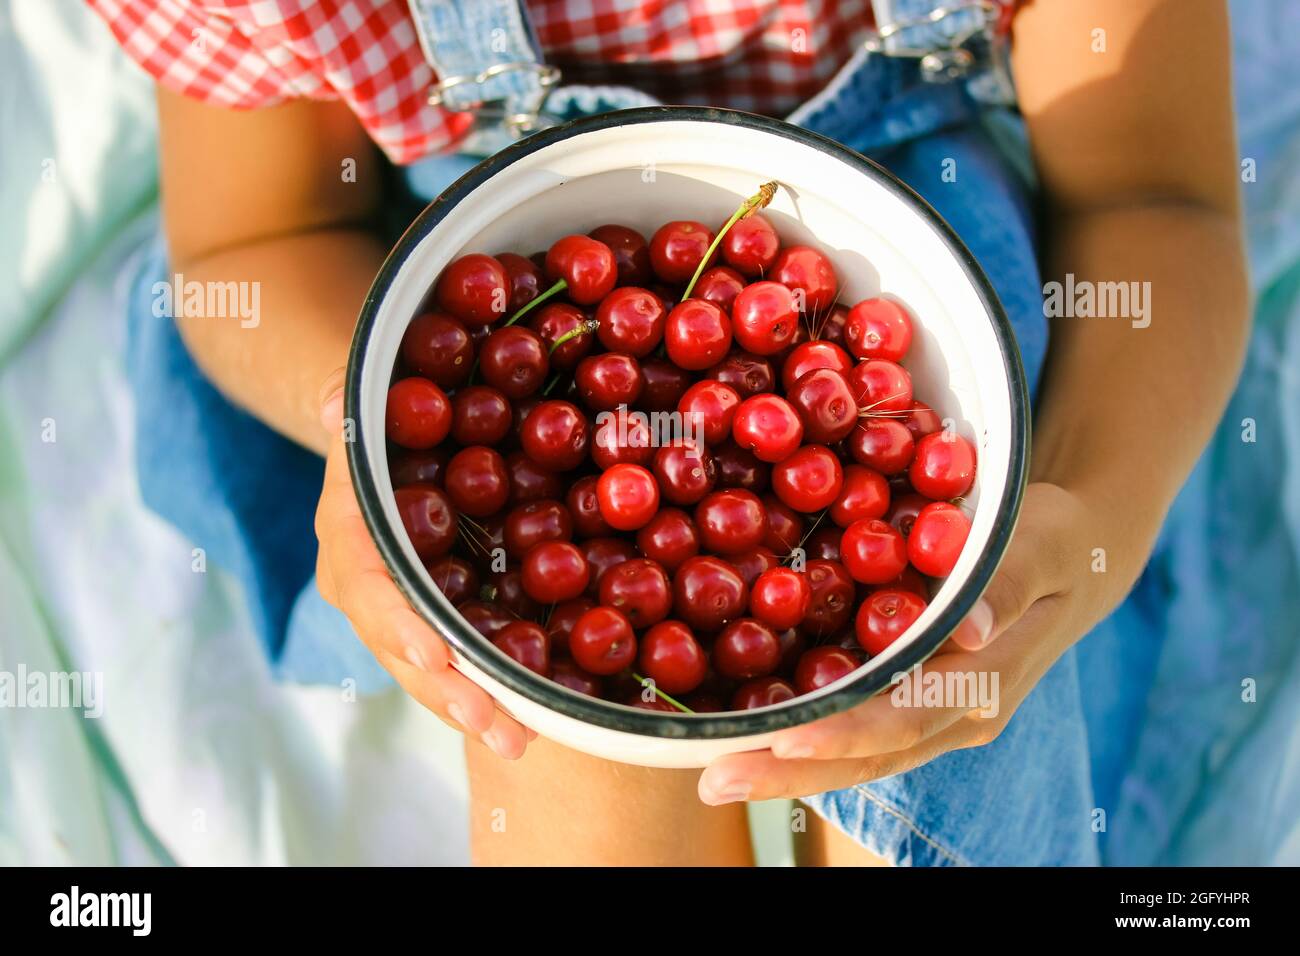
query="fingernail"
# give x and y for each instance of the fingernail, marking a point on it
(795, 751)
(415, 657)
(981, 618)
(457, 713)
(733, 792)
(492, 739)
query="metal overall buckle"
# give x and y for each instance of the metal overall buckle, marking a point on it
(499, 112)
(958, 54)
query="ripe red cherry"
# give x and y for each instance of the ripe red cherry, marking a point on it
(943, 466)
(879, 386)
(412, 467)
(884, 616)
(480, 415)
(455, 577)
(631, 320)
(586, 265)
(524, 279)
(710, 405)
(488, 619)
(825, 405)
(878, 328)
(750, 246)
(418, 414)
(621, 437)
(780, 598)
(439, 348)
(672, 658)
(474, 289)
(903, 510)
(669, 538)
(752, 563)
(731, 521)
(738, 468)
(507, 589)
(609, 380)
(764, 318)
(584, 508)
(747, 373)
(526, 643)
(477, 481)
(762, 692)
(530, 524)
(768, 426)
(811, 355)
(554, 321)
(824, 544)
(822, 666)
(883, 444)
(556, 435)
(806, 270)
(677, 248)
(720, 286)
(784, 526)
(830, 326)
(513, 359)
(561, 621)
(864, 497)
(603, 554)
(697, 335)
(685, 473)
(922, 421)
(640, 589)
(665, 384)
(628, 496)
(529, 481)
(570, 675)
(428, 518)
(746, 648)
(707, 593)
(631, 252)
(602, 641)
(873, 552)
(938, 536)
(555, 571)
(809, 480)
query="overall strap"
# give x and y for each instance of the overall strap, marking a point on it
(949, 39)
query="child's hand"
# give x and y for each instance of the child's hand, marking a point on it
(351, 576)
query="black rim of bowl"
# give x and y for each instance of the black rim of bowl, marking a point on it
(435, 608)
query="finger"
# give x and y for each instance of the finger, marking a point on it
(331, 402)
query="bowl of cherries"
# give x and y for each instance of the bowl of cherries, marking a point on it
(683, 426)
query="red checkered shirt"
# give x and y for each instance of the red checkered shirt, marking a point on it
(765, 56)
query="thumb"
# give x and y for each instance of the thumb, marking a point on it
(331, 402)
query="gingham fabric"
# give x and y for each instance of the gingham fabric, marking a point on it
(765, 56)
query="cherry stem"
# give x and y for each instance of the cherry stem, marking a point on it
(747, 208)
(552, 383)
(647, 682)
(559, 286)
(582, 328)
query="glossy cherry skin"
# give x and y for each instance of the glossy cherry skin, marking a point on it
(824, 544)
(640, 589)
(609, 380)
(485, 617)
(938, 536)
(526, 643)
(556, 435)
(879, 386)
(720, 285)
(418, 414)
(621, 437)
(768, 426)
(873, 552)
(821, 666)
(631, 320)
(631, 253)
(568, 674)
(825, 406)
(525, 279)
(809, 480)
(665, 384)
(480, 415)
(864, 496)
(506, 588)
(764, 318)
(912, 581)
(780, 598)
(730, 521)
(475, 289)
(943, 466)
(738, 468)
(745, 649)
(455, 577)
(529, 481)
(883, 444)
(555, 571)
(428, 518)
(829, 327)
(669, 538)
(628, 497)
(584, 508)
(922, 420)
(747, 373)
(677, 248)
(752, 563)
(530, 524)
(809, 356)
(552, 322)
(561, 621)
(711, 406)
(879, 329)
(685, 473)
(806, 270)
(750, 246)
(672, 658)
(477, 481)
(425, 466)
(762, 692)
(784, 526)
(707, 593)
(697, 335)
(833, 597)
(586, 265)
(513, 360)
(602, 642)
(603, 554)
(885, 616)
(439, 348)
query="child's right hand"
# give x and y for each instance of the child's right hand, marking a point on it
(351, 576)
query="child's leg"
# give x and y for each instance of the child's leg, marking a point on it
(823, 845)
(558, 807)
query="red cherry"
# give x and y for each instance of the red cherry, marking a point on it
(439, 348)
(631, 320)
(570, 675)
(762, 692)
(672, 658)
(677, 248)
(912, 581)
(475, 289)
(710, 405)
(809, 480)
(603, 554)
(455, 577)
(738, 468)
(830, 327)
(506, 588)
(943, 467)
(885, 616)
(602, 641)
(514, 360)
(418, 414)
(665, 384)
(746, 648)
(764, 318)
(825, 405)
(922, 421)
(697, 334)
(631, 253)
(752, 563)
(879, 329)
(809, 356)
(793, 644)
(822, 666)
(806, 270)
(529, 481)
(784, 526)
(552, 322)
(526, 644)
(628, 497)
(720, 286)
(556, 435)
(937, 538)
(487, 619)
(477, 481)
(669, 538)
(833, 595)
(640, 589)
(480, 415)
(883, 444)
(780, 598)
(561, 621)
(530, 524)
(731, 521)
(585, 509)
(708, 592)
(747, 373)
(903, 511)
(702, 703)
(414, 467)
(555, 571)
(621, 437)
(750, 246)
(685, 473)
(864, 497)
(879, 386)
(524, 279)
(586, 265)
(824, 544)
(768, 426)
(609, 380)
(428, 519)
(487, 542)
(873, 552)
